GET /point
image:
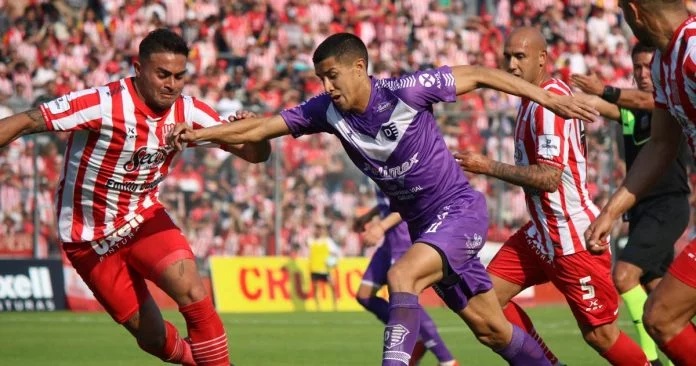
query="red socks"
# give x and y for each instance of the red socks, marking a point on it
(625, 352)
(176, 350)
(680, 348)
(206, 333)
(516, 315)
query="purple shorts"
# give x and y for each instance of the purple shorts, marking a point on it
(396, 243)
(458, 232)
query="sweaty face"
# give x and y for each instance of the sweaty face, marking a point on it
(340, 81)
(641, 71)
(161, 79)
(521, 59)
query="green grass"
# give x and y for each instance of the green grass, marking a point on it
(307, 339)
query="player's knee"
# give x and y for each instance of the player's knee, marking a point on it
(655, 321)
(400, 279)
(602, 337)
(194, 293)
(624, 281)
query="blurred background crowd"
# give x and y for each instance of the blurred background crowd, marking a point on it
(256, 55)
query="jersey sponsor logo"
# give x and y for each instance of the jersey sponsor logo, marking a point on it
(384, 106)
(428, 80)
(392, 172)
(118, 238)
(142, 158)
(549, 146)
(390, 131)
(394, 335)
(59, 105)
(132, 186)
(131, 133)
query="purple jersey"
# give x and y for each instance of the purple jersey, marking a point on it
(396, 141)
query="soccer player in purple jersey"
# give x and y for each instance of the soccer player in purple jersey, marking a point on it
(388, 130)
(393, 232)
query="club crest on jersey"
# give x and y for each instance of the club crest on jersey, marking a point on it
(394, 335)
(390, 131)
(142, 158)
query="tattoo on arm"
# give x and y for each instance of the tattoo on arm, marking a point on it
(538, 176)
(37, 121)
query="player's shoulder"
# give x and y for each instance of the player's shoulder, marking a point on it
(557, 86)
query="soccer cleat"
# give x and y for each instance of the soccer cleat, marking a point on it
(417, 354)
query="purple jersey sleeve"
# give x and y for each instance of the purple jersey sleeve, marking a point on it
(308, 117)
(424, 88)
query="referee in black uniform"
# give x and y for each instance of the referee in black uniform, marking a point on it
(660, 217)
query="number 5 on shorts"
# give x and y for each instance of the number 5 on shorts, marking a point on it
(587, 288)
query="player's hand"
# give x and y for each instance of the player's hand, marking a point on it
(374, 232)
(597, 234)
(473, 162)
(180, 136)
(571, 107)
(241, 115)
(589, 83)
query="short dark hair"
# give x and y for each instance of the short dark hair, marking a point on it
(162, 40)
(342, 46)
(642, 48)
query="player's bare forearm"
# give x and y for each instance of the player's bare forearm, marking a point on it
(390, 221)
(253, 152)
(650, 164)
(254, 130)
(636, 99)
(542, 177)
(468, 78)
(605, 109)
(359, 222)
(21, 124)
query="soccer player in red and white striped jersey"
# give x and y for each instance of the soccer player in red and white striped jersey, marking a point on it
(550, 164)
(667, 25)
(112, 226)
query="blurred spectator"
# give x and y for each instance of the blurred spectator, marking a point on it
(256, 55)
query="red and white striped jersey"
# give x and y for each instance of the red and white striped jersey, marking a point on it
(560, 218)
(674, 76)
(116, 156)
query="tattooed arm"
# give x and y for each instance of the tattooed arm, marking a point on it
(541, 177)
(21, 124)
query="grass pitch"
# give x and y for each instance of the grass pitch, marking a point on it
(294, 339)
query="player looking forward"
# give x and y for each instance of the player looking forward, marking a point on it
(388, 130)
(112, 226)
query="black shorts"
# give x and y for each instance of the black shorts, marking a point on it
(654, 226)
(319, 277)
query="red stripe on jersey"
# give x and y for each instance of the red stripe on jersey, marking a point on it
(108, 166)
(207, 110)
(78, 212)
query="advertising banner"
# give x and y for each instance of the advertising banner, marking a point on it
(282, 284)
(31, 285)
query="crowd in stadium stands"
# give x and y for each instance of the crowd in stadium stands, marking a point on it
(256, 55)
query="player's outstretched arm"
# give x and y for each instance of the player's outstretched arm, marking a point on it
(626, 98)
(542, 177)
(21, 124)
(250, 130)
(253, 152)
(650, 164)
(468, 78)
(605, 109)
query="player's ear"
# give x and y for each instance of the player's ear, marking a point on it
(542, 58)
(360, 65)
(136, 67)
